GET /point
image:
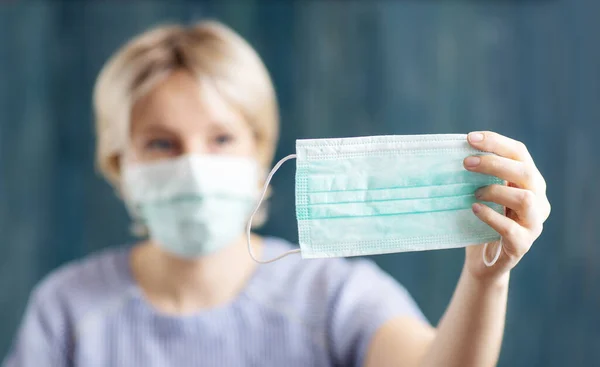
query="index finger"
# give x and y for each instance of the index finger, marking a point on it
(501, 145)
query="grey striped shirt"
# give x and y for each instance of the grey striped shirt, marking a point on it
(293, 312)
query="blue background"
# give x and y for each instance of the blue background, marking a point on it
(527, 69)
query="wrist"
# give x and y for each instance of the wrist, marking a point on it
(500, 281)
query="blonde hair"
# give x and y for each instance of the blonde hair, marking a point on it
(210, 51)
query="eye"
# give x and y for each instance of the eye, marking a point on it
(160, 145)
(224, 139)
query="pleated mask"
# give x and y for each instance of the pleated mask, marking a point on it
(386, 194)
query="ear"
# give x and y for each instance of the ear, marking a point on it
(115, 163)
(261, 216)
(112, 170)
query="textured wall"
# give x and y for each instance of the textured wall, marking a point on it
(527, 69)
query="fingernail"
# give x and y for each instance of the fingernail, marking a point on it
(475, 137)
(472, 161)
(478, 194)
(476, 208)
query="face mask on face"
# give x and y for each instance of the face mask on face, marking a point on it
(385, 194)
(192, 205)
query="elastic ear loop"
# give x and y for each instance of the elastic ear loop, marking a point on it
(496, 256)
(249, 226)
(498, 250)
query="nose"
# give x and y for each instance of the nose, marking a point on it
(193, 145)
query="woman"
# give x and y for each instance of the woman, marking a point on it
(194, 109)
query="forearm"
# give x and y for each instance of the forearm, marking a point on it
(470, 332)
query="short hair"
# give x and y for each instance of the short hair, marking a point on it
(210, 51)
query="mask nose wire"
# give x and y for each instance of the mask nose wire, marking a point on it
(496, 256)
(262, 196)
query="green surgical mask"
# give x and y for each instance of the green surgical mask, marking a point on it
(386, 194)
(192, 205)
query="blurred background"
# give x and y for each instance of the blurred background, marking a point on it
(527, 69)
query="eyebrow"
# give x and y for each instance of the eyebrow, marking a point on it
(221, 124)
(154, 128)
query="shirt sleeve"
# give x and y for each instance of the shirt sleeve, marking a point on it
(366, 299)
(40, 338)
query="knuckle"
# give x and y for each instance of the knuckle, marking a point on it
(490, 139)
(490, 134)
(526, 174)
(511, 231)
(537, 230)
(492, 162)
(522, 149)
(544, 211)
(527, 199)
(542, 183)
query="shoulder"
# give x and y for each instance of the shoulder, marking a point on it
(347, 299)
(341, 283)
(81, 286)
(295, 271)
(312, 276)
(60, 300)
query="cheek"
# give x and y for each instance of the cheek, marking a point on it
(252, 146)
(247, 145)
(131, 154)
(128, 156)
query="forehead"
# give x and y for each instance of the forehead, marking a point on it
(183, 103)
